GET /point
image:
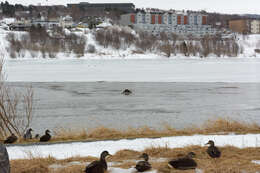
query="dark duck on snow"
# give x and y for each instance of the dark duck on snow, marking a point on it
(144, 165)
(98, 166)
(212, 150)
(183, 163)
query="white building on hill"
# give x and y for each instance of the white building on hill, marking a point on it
(175, 22)
(255, 26)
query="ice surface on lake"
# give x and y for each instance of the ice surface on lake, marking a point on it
(134, 70)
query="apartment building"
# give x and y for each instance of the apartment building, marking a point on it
(255, 26)
(125, 7)
(240, 25)
(175, 22)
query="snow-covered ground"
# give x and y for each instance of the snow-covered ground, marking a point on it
(246, 43)
(135, 70)
(62, 151)
(131, 170)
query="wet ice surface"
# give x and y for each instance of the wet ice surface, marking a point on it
(134, 70)
(94, 104)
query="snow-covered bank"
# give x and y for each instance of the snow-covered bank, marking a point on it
(17, 45)
(134, 70)
(62, 151)
(131, 170)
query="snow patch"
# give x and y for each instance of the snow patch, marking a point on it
(67, 150)
(131, 170)
(256, 162)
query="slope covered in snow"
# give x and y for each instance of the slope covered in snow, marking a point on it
(248, 44)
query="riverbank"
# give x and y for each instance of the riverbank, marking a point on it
(219, 126)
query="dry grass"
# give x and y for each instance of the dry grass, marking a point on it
(228, 125)
(233, 160)
(223, 126)
(32, 165)
(210, 127)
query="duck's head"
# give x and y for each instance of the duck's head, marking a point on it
(211, 143)
(144, 156)
(30, 130)
(37, 136)
(105, 154)
(191, 155)
(47, 131)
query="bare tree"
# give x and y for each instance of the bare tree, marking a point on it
(16, 108)
(166, 48)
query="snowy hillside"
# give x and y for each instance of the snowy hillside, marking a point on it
(116, 42)
(249, 44)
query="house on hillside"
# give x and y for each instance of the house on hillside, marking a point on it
(255, 26)
(20, 25)
(66, 22)
(46, 23)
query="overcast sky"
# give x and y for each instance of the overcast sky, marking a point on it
(224, 6)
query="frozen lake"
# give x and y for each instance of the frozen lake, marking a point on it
(93, 104)
(133, 70)
(180, 92)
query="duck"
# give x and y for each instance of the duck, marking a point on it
(46, 137)
(144, 165)
(212, 150)
(127, 92)
(37, 136)
(11, 139)
(98, 166)
(28, 134)
(184, 163)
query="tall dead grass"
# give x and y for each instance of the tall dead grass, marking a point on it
(223, 126)
(218, 126)
(229, 125)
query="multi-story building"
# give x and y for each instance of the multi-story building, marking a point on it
(66, 22)
(255, 26)
(175, 22)
(125, 7)
(240, 25)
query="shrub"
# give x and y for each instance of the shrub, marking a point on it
(91, 48)
(257, 50)
(48, 44)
